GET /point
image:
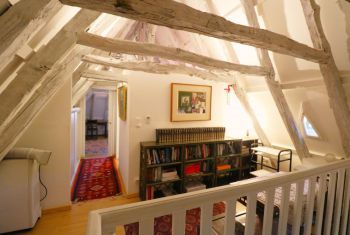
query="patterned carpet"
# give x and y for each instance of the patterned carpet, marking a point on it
(98, 147)
(97, 178)
(163, 224)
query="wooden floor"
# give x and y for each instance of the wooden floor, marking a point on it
(73, 221)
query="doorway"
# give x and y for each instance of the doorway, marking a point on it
(97, 123)
(97, 174)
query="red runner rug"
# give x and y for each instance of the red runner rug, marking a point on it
(97, 178)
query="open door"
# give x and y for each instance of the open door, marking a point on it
(97, 123)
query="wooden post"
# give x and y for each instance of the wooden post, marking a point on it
(329, 70)
(240, 92)
(276, 90)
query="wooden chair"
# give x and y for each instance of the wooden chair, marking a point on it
(91, 129)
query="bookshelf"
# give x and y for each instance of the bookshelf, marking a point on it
(178, 167)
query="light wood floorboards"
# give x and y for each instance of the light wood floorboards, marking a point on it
(73, 221)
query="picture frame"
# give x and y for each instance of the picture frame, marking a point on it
(122, 102)
(190, 102)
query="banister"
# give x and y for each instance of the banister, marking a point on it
(119, 215)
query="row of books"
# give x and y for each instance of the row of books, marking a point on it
(166, 155)
(228, 161)
(189, 134)
(158, 174)
(198, 151)
(194, 168)
(225, 148)
(154, 174)
(223, 167)
(245, 150)
(169, 174)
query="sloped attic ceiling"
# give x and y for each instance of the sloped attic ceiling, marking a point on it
(275, 15)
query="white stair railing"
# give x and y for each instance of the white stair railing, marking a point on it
(329, 185)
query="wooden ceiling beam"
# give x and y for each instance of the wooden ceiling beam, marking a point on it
(330, 72)
(50, 84)
(177, 54)
(18, 23)
(240, 93)
(275, 89)
(81, 91)
(103, 75)
(42, 67)
(157, 68)
(179, 16)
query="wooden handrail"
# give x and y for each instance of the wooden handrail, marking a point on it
(119, 215)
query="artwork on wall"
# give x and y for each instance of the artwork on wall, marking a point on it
(190, 102)
(122, 98)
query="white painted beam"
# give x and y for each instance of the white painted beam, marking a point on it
(179, 16)
(275, 89)
(157, 68)
(240, 92)
(103, 75)
(18, 23)
(330, 72)
(50, 84)
(148, 49)
(42, 68)
(81, 91)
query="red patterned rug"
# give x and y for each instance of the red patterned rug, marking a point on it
(97, 178)
(163, 224)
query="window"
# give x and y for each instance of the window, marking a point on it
(309, 130)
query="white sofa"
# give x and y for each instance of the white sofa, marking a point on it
(20, 189)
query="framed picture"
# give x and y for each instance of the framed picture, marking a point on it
(122, 98)
(190, 102)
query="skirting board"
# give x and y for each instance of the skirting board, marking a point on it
(57, 209)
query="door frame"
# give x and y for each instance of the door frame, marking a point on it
(112, 123)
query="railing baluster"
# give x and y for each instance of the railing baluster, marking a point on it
(230, 213)
(146, 225)
(268, 212)
(332, 217)
(206, 219)
(283, 217)
(309, 206)
(338, 201)
(320, 204)
(179, 222)
(298, 204)
(345, 213)
(94, 224)
(330, 203)
(251, 214)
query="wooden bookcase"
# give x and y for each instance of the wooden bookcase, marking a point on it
(167, 168)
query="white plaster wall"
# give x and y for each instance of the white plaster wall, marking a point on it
(51, 131)
(317, 109)
(279, 17)
(149, 94)
(269, 118)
